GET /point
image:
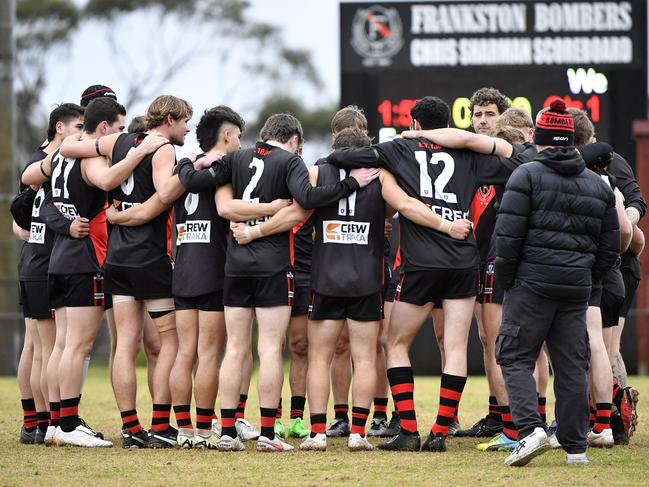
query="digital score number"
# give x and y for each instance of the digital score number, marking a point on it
(579, 88)
(397, 114)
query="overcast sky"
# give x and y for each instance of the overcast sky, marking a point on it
(306, 24)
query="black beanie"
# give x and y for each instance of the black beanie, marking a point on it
(96, 91)
(555, 127)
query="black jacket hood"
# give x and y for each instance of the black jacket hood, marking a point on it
(564, 160)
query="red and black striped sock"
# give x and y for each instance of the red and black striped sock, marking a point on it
(618, 394)
(592, 414)
(359, 419)
(342, 411)
(160, 417)
(318, 424)
(69, 414)
(450, 393)
(214, 416)
(508, 423)
(380, 408)
(603, 417)
(227, 422)
(43, 418)
(30, 421)
(494, 410)
(542, 409)
(183, 416)
(55, 413)
(278, 413)
(130, 421)
(241, 408)
(297, 406)
(204, 418)
(402, 385)
(268, 416)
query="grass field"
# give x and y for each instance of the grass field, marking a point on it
(461, 465)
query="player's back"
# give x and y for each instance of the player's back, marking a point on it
(74, 198)
(445, 180)
(144, 244)
(349, 243)
(259, 174)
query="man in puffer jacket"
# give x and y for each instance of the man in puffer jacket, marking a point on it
(557, 232)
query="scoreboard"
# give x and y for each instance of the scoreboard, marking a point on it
(590, 54)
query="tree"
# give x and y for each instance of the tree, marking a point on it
(46, 25)
(315, 123)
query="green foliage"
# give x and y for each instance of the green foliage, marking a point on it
(45, 25)
(316, 123)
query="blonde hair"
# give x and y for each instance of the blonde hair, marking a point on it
(584, 128)
(514, 117)
(166, 105)
(510, 134)
(349, 116)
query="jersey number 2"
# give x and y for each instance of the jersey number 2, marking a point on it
(425, 182)
(258, 165)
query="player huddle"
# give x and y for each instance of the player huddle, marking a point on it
(259, 237)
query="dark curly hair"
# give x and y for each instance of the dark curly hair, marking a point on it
(487, 96)
(431, 113)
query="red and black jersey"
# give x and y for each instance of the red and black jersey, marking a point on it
(303, 246)
(143, 245)
(199, 264)
(35, 254)
(75, 198)
(263, 174)
(486, 201)
(445, 180)
(349, 240)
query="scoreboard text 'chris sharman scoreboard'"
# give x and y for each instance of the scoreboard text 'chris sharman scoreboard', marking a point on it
(591, 54)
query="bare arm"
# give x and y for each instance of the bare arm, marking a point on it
(19, 233)
(626, 228)
(99, 174)
(417, 211)
(285, 219)
(137, 215)
(461, 139)
(240, 211)
(166, 183)
(637, 242)
(38, 172)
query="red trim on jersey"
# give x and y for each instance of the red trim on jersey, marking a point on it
(99, 235)
(291, 247)
(297, 227)
(169, 226)
(397, 258)
(480, 202)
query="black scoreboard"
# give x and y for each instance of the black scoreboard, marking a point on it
(591, 54)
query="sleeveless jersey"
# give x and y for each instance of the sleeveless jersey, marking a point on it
(143, 245)
(199, 266)
(349, 241)
(35, 254)
(262, 174)
(445, 180)
(74, 197)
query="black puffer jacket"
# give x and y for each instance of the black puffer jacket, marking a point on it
(557, 229)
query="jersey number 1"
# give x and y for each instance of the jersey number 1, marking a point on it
(425, 182)
(346, 206)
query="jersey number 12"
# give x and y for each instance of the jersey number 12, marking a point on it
(425, 182)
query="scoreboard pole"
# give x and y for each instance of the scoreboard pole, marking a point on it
(641, 132)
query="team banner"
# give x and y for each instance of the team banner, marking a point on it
(463, 34)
